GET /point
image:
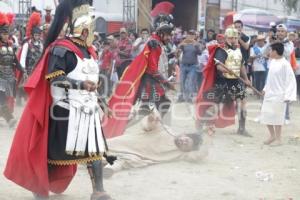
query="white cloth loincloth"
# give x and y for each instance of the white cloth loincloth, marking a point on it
(273, 113)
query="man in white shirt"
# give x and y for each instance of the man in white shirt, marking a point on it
(139, 43)
(259, 63)
(282, 36)
(280, 89)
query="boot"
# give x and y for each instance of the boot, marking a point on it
(95, 170)
(242, 124)
(163, 106)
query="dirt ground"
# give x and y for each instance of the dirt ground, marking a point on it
(236, 168)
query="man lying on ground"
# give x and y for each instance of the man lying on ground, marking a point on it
(153, 144)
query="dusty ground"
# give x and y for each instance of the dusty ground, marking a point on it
(228, 173)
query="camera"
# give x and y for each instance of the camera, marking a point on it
(273, 30)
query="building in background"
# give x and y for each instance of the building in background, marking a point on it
(186, 13)
(190, 14)
(109, 15)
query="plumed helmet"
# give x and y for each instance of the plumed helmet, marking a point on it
(33, 25)
(4, 23)
(70, 14)
(11, 18)
(162, 17)
(163, 23)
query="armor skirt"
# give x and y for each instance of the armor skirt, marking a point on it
(57, 139)
(226, 91)
(8, 86)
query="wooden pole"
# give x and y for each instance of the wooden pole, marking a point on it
(238, 77)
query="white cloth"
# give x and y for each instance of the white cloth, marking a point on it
(273, 113)
(280, 87)
(258, 62)
(281, 83)
(24, 55)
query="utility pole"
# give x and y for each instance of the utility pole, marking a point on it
(129, 14)
(234, 5)
(25, 7)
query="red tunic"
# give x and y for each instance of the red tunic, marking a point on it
(126, 91)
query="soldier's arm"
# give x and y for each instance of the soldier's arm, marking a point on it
(24, 55)
(153, 62)
(221, 56)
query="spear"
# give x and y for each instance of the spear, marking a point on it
(238, 77)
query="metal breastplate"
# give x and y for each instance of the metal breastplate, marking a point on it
(33, 55)
(84, 126)
(86, 69)
(233, 62)
(6, 62)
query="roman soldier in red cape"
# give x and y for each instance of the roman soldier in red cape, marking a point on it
(61, 123)
(8, 65)
(32, 48)
(215, 103)
(142, 80)
(30, 52)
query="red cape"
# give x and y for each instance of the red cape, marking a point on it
(226, 115)
(124, 95)
(27, 161)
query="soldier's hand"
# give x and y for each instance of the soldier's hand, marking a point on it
(89, 85)
(247, 82)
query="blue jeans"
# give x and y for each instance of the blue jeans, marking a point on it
(259, 79)
(199, 80)
(188, 81)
